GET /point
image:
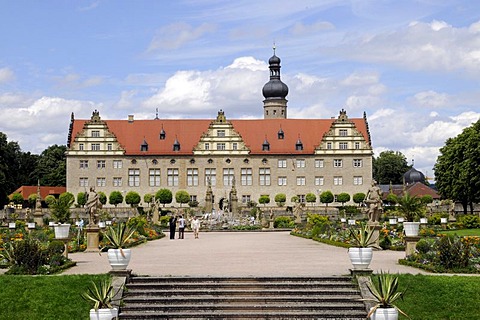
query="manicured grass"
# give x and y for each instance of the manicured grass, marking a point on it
(45, 297)
(440, 297)
(463, 232)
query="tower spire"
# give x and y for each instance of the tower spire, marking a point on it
(275, 91)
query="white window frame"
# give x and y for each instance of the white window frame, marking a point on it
(282, 163)
(337, 180)
(264, 176)
(172, 177)
(282, 181)
(301, 181)
(319, 180)
(246, 176)
(192, 177)
(154, 177)
(337, 163)
(212, 174)
(133, 177)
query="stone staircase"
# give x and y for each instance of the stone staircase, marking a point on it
(242, 298)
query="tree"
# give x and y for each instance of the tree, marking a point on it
(343, 197)
(132, 198)
(457, 170)
(17, 198)
(280, 199)
(392, 199)
(60, 208)
(148, 198)
(115, 198)
(182, 196)
(81, 198)
(49, 199)
(410, 206)
(359, 197)
(102, 197)
(326, 197)
(164, 196)
(389, 167)
(295, 199)
(426, 199)
(264, 199)
(51, 166)
(310, 197)
(32, 199)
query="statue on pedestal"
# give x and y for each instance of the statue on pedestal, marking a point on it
(374, 203)
(92, 205)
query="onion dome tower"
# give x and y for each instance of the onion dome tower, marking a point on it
(275, 92)
(412, 176)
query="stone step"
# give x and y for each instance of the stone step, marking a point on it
(336, 279)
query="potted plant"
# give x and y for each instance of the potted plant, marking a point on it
(410, 207)
(102, 295)
(362, 241)
(385, 292)
(60, 211)
(117, 236)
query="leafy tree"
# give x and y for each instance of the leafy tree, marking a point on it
(310, 197)
(60, 208)
(148, 198)
(17, 198)
(32, 199)
(295, 199)
(81, 198)
(102, 197)
(164, 196)
(457, 170)
(132, 198)
(343, 197)
(326, 197)
(49, 199)
(182, 196)
(9, 168)
(280, 199)
(426, 199)
(389, 167)
(392, 198)
(410, 206)
(115, 198)
(51, 166)
(264, 199)
(359, 197)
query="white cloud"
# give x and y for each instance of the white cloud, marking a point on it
(6, 75)
(301, 29)
(431, 99)
(176, 35)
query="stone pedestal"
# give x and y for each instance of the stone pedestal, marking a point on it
(65, 243)
(271, 224)
(92, 238)
(360, 272)
(38, 218)
(411, 245)
(376, 233)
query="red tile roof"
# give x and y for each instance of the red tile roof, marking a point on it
(420, 190)
(26, 191)
(188, 133)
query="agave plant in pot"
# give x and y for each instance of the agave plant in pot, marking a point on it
(362, 241)
(117, 237)
(385, 292)
(411, 208)
(102, 295)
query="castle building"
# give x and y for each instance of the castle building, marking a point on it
(253, 157)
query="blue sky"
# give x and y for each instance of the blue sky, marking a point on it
(412, 66)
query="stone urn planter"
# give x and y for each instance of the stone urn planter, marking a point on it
(385, 314)
(102, 295)
(119, 258)
(360, 257)
(103, 314)
(62, 231)
(118, 236)
(411, 229)
(361, 252)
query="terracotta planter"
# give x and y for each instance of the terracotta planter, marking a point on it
(360, 257)
(117, 260)
(62, 231)
(411, 228)
(385, 314)
(103, 314)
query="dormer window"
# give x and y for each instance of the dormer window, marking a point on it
(144, 146)
(265, 145)
(176, 145)
(281, 134)
(299, 145)
(162, 134)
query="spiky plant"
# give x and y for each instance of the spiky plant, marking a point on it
(101, 294)
(385, 293)
(362, 237)
(118, 235)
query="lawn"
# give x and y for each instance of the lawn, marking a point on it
(44, 297)
(463, 232)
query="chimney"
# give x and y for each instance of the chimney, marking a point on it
(130, 118)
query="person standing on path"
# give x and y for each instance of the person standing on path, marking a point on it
(181, 228)
(195, 226)
(173, 225)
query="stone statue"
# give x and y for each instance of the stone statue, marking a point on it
(92, 205)
(298, 211)
(374, 203)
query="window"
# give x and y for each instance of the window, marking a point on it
(211, 174)
(343, 132)
(220, 133)
(133, 177)
(246, 176)
(319, 181)
(337, 181)
(357, 180)
(357, 163)
(192, 177)
(329, 145)
(221, 146)
(357, 145)
(101, 164)
(301, 198)
(343, 145)
(83, 182)
(117, 181)
(337, 163)
(83, 164)
(172, 177)
(282, 181)
(234, 146)
(95, 134)
(299, 145)
(95, 146)
(101, 182)
(266, 146)
(117, 164)
(228, 176)
(264, 176)
(246, 198)
(301, 181)
(207, 146)
(109, 147)
(300, 163)
(193, 198)
(282, 163)
(154, 177)
(81, 147)
(319, 163)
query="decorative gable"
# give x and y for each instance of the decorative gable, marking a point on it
(221, 139)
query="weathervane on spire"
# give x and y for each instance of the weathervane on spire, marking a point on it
(274, 47)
